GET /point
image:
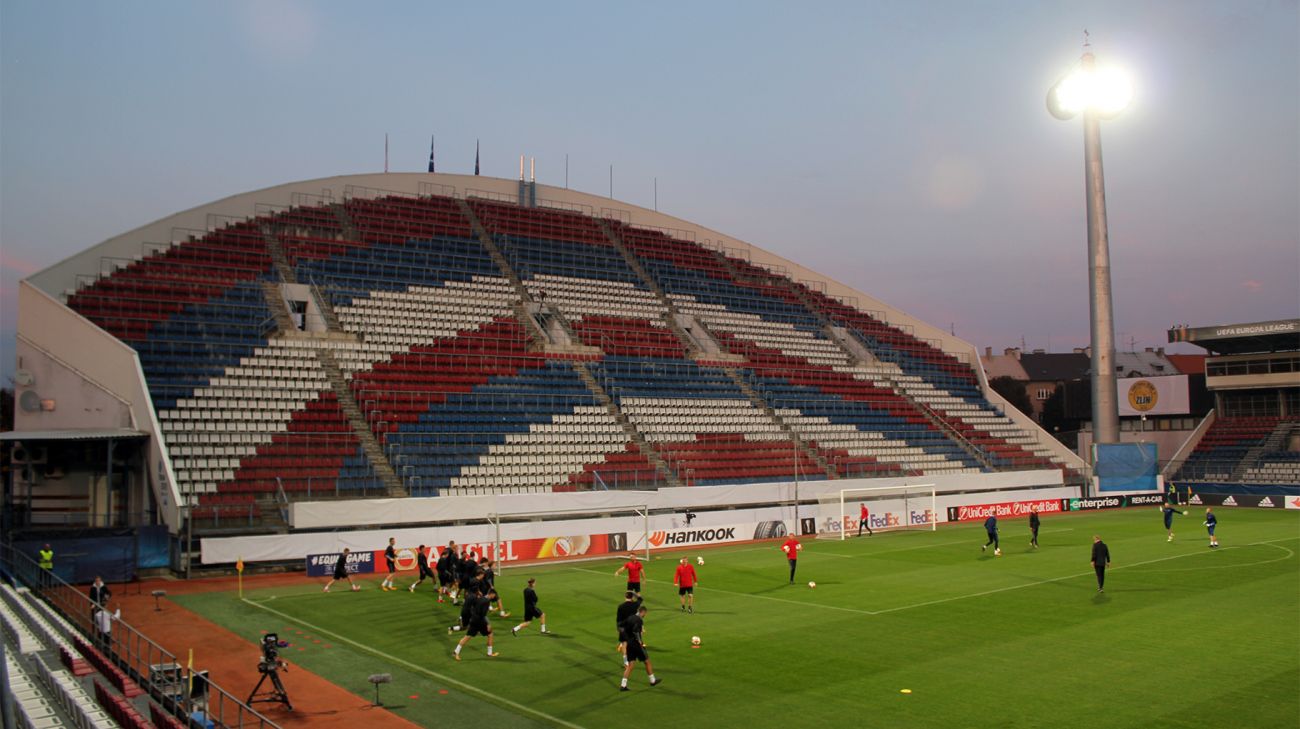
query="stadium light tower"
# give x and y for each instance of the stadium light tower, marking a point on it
(1097, 94)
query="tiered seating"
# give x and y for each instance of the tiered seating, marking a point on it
(120, 708)
(163, 720)
(271, 415)
(525, 428)
(397, 219)
(552, 454)
(787, 349)
(701, 423)
(538, 223)
(133, 300)
(17, 632)
(43, 632)
(393, 262)
(1221, 450)
(116, 676)
(1275, 467)
(890, 344)
(435, 356)
(860, 428)
(189, 310)
(629, 469)
(71, 697)
(398, 319)
(996, 436)
(31, 705)
(615, 316)
(316, 444)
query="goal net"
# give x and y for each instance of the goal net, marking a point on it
(889, 508)
(526, 536)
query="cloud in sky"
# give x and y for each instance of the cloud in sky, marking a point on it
(283, 29)
(1252, 285)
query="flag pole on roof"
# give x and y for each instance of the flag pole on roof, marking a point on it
(475, 156)
(385, 152)
(432, 143)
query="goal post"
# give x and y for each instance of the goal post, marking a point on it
(565, 533)
(891, 508)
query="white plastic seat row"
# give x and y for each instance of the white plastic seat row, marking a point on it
(76, 702)
(17, 632)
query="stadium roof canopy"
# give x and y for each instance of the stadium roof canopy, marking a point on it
(1282, 335)
(73, 434)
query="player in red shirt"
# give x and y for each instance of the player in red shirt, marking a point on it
(791, 548)
(685, 580)
(634, 570)
(864, 520)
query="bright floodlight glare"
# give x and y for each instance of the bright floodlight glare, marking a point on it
(1107, 91)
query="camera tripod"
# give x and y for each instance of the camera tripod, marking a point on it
(274, 695)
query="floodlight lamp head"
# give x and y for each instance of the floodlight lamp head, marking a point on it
(1105, 91)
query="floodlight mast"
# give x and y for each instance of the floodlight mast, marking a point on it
(1085, 85)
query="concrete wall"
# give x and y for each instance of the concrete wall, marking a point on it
(77, 357)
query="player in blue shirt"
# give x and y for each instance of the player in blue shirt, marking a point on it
(991, 526)
(1211, 521)
(1169, 512)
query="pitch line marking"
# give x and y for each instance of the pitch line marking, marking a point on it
(1289, 554)
(958, 597)
(1067, 577)
(490, 698)
(746, 594)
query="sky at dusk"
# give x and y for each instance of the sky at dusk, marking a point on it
(902, 147)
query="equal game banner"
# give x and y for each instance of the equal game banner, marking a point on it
(512, 550)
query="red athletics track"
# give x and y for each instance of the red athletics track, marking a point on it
(232, 659)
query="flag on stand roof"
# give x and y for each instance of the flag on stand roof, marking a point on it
(476, 156)
(431, 143)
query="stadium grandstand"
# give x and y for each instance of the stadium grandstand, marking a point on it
(1250, 442)
(439, 335)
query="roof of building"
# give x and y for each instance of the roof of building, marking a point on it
(1055, 367)
(1148, 363)
(1188, 364)
(1003, 365)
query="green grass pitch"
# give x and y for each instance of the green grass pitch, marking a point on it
(1184, 636)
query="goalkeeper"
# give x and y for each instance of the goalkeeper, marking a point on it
(1169, 511)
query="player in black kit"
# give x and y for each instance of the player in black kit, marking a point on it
(1033, 528)
(636, 651)
(530, 609)
(478, 622)
(468, 567)
(422, 562)
(446, 570)
(390, 559)
(626, 609)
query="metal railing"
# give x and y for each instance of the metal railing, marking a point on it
(130, 650)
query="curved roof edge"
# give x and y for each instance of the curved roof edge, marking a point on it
(62, 277)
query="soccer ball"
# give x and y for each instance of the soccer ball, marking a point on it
(695, 640)
(812, 584)
(699, 561)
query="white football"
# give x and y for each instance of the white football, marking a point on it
(699, 561)
(812, 584)
(695, 640)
